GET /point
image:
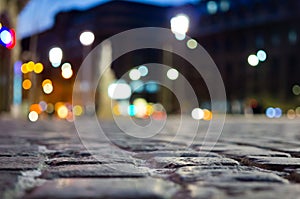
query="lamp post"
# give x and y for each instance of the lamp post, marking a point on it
(87, 38)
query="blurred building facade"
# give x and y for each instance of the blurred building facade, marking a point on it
(9, 10)
(230, 30)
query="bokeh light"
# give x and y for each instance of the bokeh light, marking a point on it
(140, 107)
(50, 108)
(119, 91)
(291, 114)
(116, 110)
(197, 114)
(55, 56)
(77, 110)
(38, 68)
(33, 116)
(192, 44)
(26, 84)
(296, 89)
(66, 66)
(261, 55)
(151, 87)
(67, 73)
(87, 38)
(143, 70)
(137, 86)
(134, 74)
(212, 7)
(6, 37)
(207, 115)
(30, 66)
(24, 68)
(180, 25)
(131, 110)
(172, 74)
(224, 5)
(270, 112)
(48, 88)
(253, 60)
(36, 107)
(62, 112)
(46, 81)
(278, 113)
(43, 105)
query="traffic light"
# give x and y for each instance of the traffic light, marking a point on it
(7, 37)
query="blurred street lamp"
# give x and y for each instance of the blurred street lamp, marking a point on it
(180, 25)
(87, 38)
(55, 56)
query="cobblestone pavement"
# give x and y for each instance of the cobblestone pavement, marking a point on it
(254, 158)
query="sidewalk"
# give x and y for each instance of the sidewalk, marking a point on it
(254, 158)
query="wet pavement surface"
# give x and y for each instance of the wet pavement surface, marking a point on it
(253, 158)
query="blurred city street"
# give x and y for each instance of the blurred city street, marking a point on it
(149, 99)
(254, 158)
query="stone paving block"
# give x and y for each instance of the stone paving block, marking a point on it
(274, 192)
(205, 192)
(237, 189)
(150, 146)
(19, 150)
(183, 153)
(225, 174)
(242, 151)
(176, 162)
(104, 188)
(19, 163)
(294, 175)
(91, 160)
(8, 179)
(95, 170)
(272, 163)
